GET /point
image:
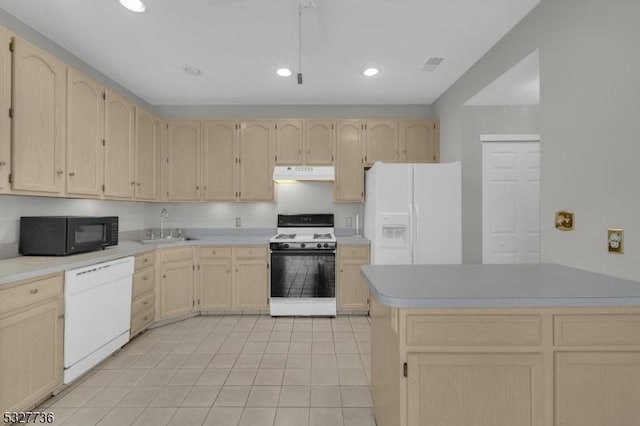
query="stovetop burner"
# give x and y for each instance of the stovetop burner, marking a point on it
(285, 236)
(322, 236)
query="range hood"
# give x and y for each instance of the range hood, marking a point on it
(295, 173)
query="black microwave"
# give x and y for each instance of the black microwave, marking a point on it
(63, 235)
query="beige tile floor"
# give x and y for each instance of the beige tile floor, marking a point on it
(230, 370)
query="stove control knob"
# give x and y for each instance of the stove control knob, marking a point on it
(286, 246)
(303, 245)
(319, 245)
(326, 245)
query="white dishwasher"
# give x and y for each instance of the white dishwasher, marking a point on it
(97, 301)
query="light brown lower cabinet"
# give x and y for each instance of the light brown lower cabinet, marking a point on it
(505, 367)
(233, 278)
(143, 293)
(31, 327)
(353, 293)
(176, 282)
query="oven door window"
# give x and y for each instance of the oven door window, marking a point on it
(87, 234)
(303, 274)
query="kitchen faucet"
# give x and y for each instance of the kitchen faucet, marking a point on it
(164, 215)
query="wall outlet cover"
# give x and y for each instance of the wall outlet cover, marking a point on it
(349, 222)
(615, 240)
(564, 220)
(238, 222)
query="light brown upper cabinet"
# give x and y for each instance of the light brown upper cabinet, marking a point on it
(419, 141)
(146, 155)
(289, 142)
(220, 158)
(85, 135)
(319, 142)
(39, 98)
(5, 104)
(380, 141)
(183, 161)
(349, 185)
(118, 152)
(256, 160)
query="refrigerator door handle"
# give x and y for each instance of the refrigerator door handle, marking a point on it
(416, 222)
(410, 231)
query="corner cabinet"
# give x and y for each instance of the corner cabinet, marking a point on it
(220, 160)
(5, 104)
(353, 293)
(118, 152)
(146, 156)
(256, 160)
(38, 124)
(349, 184)
(419, 141)
(85, 135)
(183, 161)
(31, 326)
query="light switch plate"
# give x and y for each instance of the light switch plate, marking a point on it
(238, 222)
(615, 240)
(349, 222)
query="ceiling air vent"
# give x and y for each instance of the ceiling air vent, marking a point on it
(432, 64)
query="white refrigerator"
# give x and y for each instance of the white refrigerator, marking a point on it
(412, 213)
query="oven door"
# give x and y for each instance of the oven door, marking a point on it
(303, 274)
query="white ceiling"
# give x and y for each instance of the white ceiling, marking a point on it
(520, 85)
(238, 44)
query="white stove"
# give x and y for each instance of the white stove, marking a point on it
(303, 266)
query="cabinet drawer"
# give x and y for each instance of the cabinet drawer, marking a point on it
(474, 330)
(141, 321)
(173, 255)
(143, 282)
(596, 330)
(31, 292)
(215, 252)
(145, 260)
(142, 303)
(354, 251)
(251, 251)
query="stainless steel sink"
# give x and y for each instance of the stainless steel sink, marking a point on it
(166, 240)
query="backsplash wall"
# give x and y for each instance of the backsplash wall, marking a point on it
(301, 197)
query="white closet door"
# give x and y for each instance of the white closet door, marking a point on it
(510, 202)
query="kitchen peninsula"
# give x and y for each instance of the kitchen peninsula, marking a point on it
(503, 345)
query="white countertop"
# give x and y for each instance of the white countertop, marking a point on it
(496, 286)
(26, 267)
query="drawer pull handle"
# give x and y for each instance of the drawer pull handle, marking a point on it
(145, 318)
(164, 276)
(61, 316)
(34, 291)
(145, 260)
(145, 278)
(146, 302)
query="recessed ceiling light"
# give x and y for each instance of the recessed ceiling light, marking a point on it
(192, 71)
(370, 72)
(133, 5)
(284, 72)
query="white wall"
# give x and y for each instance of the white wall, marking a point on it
(475, 121)
(589, 109)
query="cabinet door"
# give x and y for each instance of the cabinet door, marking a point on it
(220, 157)
(85, 133)
(353, 293)
(256, 160)
(118, 151)
(39, 93)
(475, 389)
(250, 284)
(418, 140)
(349, 185)
(289, 142)
(5, 104)
(215, 284)
(595, 388)
(183, 166)
(146, 155)
(381, 142)
(176, 288)
(30, 355)
(319, 142)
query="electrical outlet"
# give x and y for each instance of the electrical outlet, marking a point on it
(615, 240)
(349, 222)
(238, 222)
